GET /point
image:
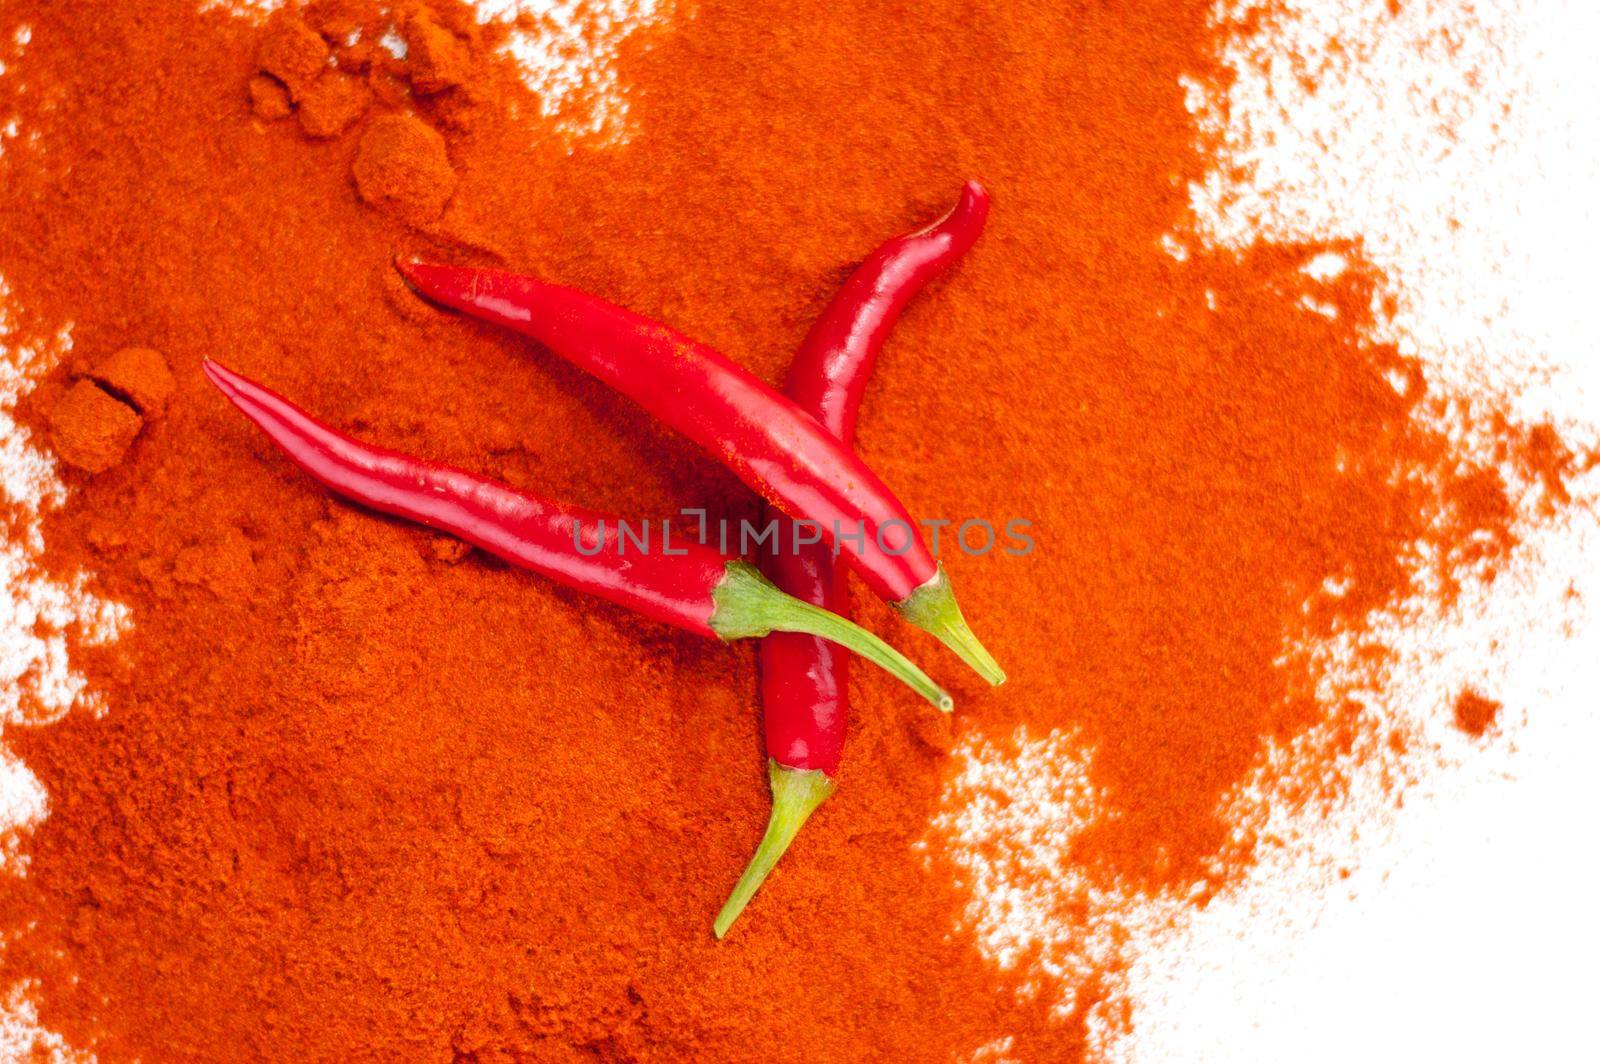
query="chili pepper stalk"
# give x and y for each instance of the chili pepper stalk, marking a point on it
(796, 794)
(749, 606)
(762, 436)
(805, 681)
(933, 608)
(694, 587)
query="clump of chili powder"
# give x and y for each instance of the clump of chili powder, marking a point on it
(1473, 713)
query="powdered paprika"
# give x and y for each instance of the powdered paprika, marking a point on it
(346, 797)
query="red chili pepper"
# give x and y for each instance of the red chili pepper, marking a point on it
(804, 681)
(765, 438)
(699, 589)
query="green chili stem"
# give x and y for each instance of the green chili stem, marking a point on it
(749, 605)
(796, 793)
(932, 607)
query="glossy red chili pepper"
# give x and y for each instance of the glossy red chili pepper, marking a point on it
(697, 589)
(805, 681)
(802, 679)
(762, 436)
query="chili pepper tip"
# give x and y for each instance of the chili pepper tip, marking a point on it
(407, 269)
(421, 277)
(970, 211)
(221, 376)
(417, 274)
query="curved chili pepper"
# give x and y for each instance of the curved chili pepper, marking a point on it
(767, 440)
(805, 681)
(699, 589)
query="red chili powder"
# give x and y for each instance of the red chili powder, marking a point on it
(1475, 714)
(355, 796)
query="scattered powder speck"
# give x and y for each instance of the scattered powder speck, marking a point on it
(568, 50)
(1475, 714)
